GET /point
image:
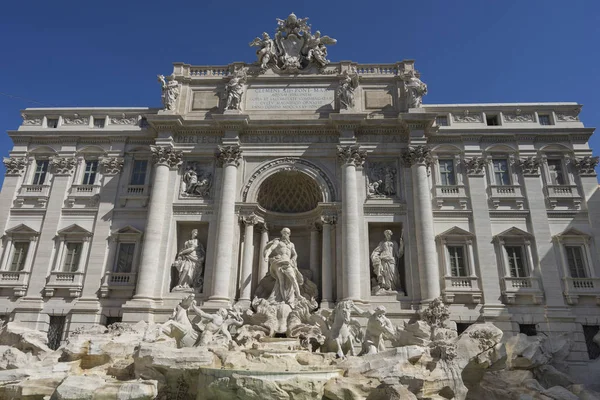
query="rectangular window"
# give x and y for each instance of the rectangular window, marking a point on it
(544, 119)
(557, 177)
(125, 258)
(441, 120)
(492, 120)
(138, 175)
(447, 176)
(576, 261)
(19, 255)
(516, 264)
(41, 169)
(528, 329)
(91, 169)
(457, 261)
(589, 331)
(501, 172)
(52, 122)
(56, 330)
(72, 256)
(99, 122)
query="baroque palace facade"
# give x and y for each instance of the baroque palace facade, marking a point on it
(116, 214)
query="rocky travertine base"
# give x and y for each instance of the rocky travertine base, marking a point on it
(128, 362)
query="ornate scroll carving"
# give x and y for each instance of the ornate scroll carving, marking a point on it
(76, 120)
(586, 165)
(530, 166)
(517, 116)
(229, 155)
(197, 180)
(351, 155)
(112, 165)
(382, 180)
(568, 116)
(125, 120)
(417, 155)
(249, 219)
(466, 117)
(166, 156)
(14, 165)
(329, 218)
(31, 121)
(63, 165)
(295, 48)
(170, 92)
(474, 166)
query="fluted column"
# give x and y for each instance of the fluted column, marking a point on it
(229, 158)
(165, 158)
(263, 265)
(326, 261)
(248, 257)
(351, 157)
(419, 159)
(314, 252)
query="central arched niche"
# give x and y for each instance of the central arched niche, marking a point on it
(289, 192)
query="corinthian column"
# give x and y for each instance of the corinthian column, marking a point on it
(351, 157)
(165, 158)
(326, 262)
(419, 159)
(246, 274)
(229, 158)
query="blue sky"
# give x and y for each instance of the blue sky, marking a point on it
(108, 53)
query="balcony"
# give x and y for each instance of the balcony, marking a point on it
(511, 195)
(466, 287)
(122, 281)
(445, 194)
(136, 195)
(72, 281)
(16, 280)
(522, 286)
(577, 287)
(37, 195)
(86, 194)
(566, 195)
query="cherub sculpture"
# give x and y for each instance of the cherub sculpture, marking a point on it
(315, 49)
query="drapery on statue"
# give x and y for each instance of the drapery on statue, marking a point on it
(170, 92)
(189, 264)
(266, 53)
(281, 255)
(234, 90)
(415, 90)
(385, 259)
(345, 90)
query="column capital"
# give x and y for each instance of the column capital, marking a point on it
(530, 166)
(249, 219)
(415, 155)
(229, 155)
(263, 227)
(112, 165)
(586, 165)
(329, 218)
(63, 165)
(475, 166)
(351, 155)
(15, 165)
(163, 155)
(314, 226)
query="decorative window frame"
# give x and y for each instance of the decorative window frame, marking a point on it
(59, 279)
(449, 193)
(576, 287)
(567, 194)
(459, 285)
(121, 280)
(511, 194)
(17, 280)
(136, 192)
(513, 286)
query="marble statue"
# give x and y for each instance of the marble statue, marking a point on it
(234, 90)
(170, 92)
(341, 331)
(415, 90)
(281, 255)
(195, 184)
(215, 327)
(345, 91)
(379, 329)
(373, 189)
(385, 264)
(266, 54)
(179, 325)
(294, 48)
(189, 264)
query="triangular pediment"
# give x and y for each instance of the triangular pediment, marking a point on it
(514, 232)
(74, 229)
(21, 229)
(127, 230)
(455, 231)
(573, 232)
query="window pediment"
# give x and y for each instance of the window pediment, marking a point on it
(21, 230)
(74, 231)
(126, 233)
(572, 232)
(456, 232)
(514, 233)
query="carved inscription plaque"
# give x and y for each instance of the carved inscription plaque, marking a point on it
(290, 98)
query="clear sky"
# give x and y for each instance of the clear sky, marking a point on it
(108, 53)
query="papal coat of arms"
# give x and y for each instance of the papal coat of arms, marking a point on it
(294, 48)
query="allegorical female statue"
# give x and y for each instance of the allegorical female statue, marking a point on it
(190, 264)
(385, 264)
